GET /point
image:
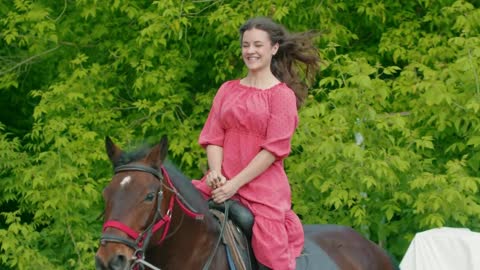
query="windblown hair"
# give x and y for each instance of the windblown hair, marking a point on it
(294, 50)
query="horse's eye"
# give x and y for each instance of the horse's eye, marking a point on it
(150, 197)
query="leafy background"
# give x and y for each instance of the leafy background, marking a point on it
(388, 141)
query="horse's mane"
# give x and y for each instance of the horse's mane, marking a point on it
(181, 182)
(186, 189)
(131, 156)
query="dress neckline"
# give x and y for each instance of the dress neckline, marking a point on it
(256, 88)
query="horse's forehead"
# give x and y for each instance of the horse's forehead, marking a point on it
(130, 180)
(125, 181)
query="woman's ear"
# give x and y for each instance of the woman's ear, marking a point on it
(275, 48)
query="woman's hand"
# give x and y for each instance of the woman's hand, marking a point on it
(225, 191)
(215, 179)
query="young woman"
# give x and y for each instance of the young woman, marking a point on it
(248, 132)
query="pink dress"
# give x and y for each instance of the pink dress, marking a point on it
(244, 120)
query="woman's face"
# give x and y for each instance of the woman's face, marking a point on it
(257, 49)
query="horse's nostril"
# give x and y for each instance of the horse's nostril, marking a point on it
(99, 264)
(118, 262)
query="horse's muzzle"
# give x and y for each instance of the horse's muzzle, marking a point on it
(116, 262)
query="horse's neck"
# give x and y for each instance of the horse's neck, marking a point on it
(189, 243)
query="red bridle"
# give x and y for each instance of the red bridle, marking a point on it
(141, 239)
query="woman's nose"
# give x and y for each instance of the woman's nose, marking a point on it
(250, 49)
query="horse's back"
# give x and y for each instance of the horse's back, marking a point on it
(347, 248)
(315, 258)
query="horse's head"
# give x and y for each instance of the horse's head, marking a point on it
(135, 208)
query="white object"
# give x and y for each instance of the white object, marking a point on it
(443, 249)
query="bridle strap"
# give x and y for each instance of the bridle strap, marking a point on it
(165, 221)
(184, 205)
(118, 239)
(141, 168)
(121, 227)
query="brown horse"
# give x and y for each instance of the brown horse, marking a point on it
(156, 219)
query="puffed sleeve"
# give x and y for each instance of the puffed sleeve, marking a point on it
(282, 122)
(213, 132)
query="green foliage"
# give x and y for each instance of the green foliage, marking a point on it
(392, 136)
(388, 142)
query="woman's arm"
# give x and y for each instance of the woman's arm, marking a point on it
(215, 157)
(257, 166)
(215, 177)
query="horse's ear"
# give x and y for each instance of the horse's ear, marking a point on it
(158, 153)
(113, 151)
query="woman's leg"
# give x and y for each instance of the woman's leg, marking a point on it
(270, 243)
(296, 236)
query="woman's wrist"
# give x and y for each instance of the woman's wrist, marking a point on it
(216, 169)
(237, 182)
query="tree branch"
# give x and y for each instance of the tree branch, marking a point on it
(27, 60)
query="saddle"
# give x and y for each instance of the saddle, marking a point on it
(236, 234)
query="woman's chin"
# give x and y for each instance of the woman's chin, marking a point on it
(255, 67)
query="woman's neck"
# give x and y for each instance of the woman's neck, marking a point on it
(261, 80)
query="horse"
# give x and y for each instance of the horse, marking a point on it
(154, 218)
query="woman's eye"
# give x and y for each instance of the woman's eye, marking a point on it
(150, 197)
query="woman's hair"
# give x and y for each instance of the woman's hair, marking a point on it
(294, 49)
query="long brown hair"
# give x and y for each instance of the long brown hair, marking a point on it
(294, 50)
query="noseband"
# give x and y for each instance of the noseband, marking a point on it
(141, 239)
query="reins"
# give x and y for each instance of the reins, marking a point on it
(220, 238)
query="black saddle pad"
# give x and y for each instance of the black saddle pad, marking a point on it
(314, 258)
